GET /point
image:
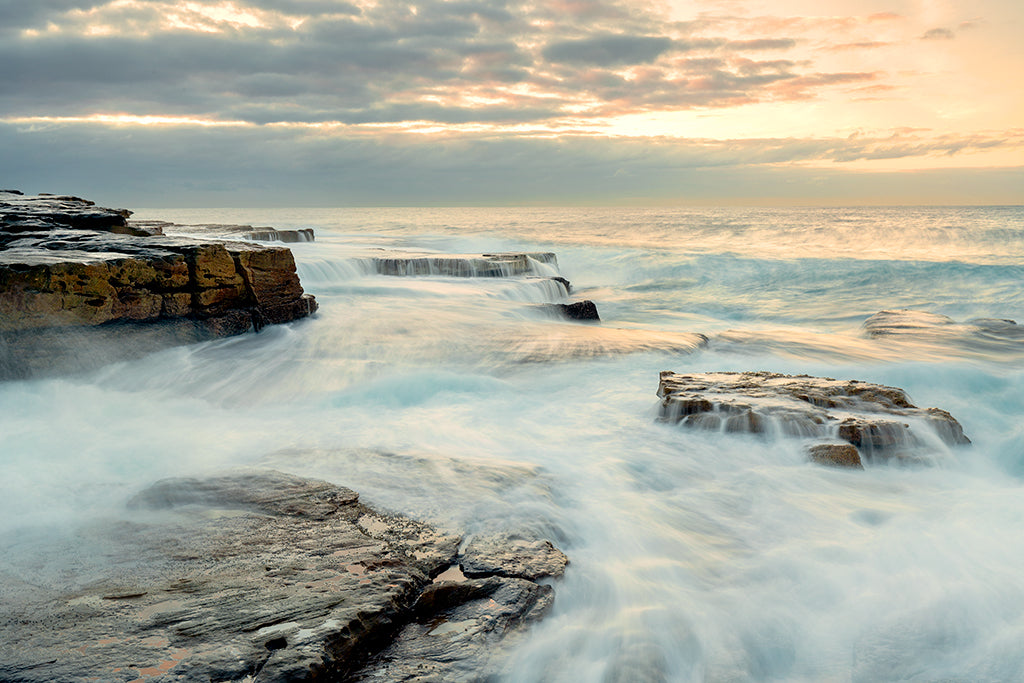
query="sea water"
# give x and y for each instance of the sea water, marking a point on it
(695, 556)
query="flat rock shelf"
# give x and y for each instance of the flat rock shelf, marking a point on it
(80, 286)
(260, 576)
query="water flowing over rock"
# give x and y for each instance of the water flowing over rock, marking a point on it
(463, 265)
(980, 335)
(879, 421)
(262, 576)
(67, 266)
(566, 342)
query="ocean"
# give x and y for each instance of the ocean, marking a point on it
(695, 556)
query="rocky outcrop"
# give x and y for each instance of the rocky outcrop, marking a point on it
(57, 275)
(262, 576)
(879, 421)
(224, 231)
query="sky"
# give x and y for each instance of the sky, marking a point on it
(513, 102)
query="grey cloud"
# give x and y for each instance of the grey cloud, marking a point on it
(388, 61)
(284, 167)
(938, 34)
(17, 14)
(306, 7)
(608, 50)
(762, 44)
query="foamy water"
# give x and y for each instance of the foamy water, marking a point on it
(695, 556)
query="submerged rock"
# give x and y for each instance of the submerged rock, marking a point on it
(564, 341)
(878, 420)
(63, 266)
(980, 335)
(258, 576)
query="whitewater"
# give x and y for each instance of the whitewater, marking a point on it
(464, 402)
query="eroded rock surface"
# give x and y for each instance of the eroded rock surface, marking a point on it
(256, 576)
(878, 420)
(71, 269)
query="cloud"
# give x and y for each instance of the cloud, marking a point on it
(938, 34)
(318, 60)
(608, 50)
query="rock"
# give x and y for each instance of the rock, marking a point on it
(66, 277)
(878, 420)
(462, 265)
(257, 576)
(565, 283)
(835, 455)
(21, 213)
(224, 231)
(580, 310)
(458, 628)
(980, 335)
(506, 555)
(273, 235)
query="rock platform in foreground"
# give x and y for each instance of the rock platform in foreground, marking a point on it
(878, 421)
(66, 265)
(260, 576)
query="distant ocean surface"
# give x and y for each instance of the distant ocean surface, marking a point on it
(695, 556)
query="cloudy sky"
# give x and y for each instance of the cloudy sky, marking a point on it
(451, 102)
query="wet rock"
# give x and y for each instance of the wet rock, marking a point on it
(459, 630)
(879, 421)
(505, 555)
(60, 275)
(257, 576)
(274, 235)
(462, 265)
(835, 455)
(579, 310)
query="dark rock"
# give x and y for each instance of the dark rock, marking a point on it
(506, 555)
(878, 420)
(580, 310)
(565, 283)
(258, 576)
(835, 455)
(461, 626)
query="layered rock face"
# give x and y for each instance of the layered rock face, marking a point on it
(878, 421)
(262, 576)
(65, 264)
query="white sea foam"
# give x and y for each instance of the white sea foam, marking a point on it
(695, 555)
